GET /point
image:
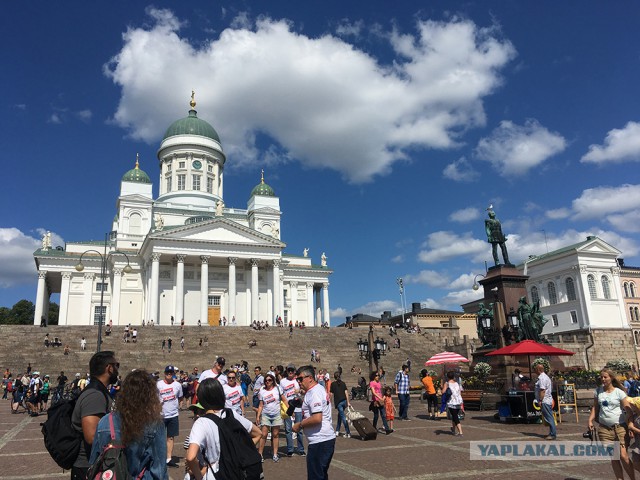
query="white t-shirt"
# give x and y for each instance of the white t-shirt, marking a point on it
(456, 396)
(271, 400)
(234, 398)
(611, 411)
(205, 434)
(211, 374)
(544, 383)
(289, 389)
(315, 401)
(170, 395)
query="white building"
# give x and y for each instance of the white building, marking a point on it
(191, 257)
(578, 287)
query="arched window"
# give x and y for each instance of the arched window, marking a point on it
(535, 297)
(632, 289)
(606, 291)
(636, 334)
(571, 289)
(631, 314)
(135, 223)
(591, 281)
(625, 286)
(553, 296)
(637, 314)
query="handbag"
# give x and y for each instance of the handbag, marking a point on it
(351, 414)
(283, 410)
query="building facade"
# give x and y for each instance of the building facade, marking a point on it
(185, 255)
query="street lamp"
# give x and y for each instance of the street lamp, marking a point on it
(104, 258)
(476, 286)
(400, 283)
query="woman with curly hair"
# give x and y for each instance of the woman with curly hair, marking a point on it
(137, 422)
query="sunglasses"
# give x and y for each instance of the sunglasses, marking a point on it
(268, 380)
(231, 378)
(299, 379)
(115, 364)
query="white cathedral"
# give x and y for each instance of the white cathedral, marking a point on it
(184, 255)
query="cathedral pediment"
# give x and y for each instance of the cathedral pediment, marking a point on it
(217, 230)
(134, 198)
(598, 246)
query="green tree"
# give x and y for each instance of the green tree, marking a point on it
(5, 315)
(54, 310)
(22, 313)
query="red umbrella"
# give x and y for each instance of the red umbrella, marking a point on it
(528, 348)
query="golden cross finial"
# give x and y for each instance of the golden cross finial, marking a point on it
(137, 160)
(262, 176)
(193, 99)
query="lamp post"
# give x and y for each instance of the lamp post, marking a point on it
(104, 258)
(400, 283)
(476, 286)
(514, 322)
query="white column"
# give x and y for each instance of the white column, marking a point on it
(326, 317)
(255, 314)
(310, 320)
(232, 289)
(153, 294)
(88, 294)
(147, 293)
(204, 289)
(318, 319)
(40, 293)
(294, 302)
(64, 298)
(115, 297)
(179, 314)
(276, 290)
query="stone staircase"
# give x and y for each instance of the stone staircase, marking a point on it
(20, 345)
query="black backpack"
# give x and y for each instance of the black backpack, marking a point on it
(239, 458)
(61, 439)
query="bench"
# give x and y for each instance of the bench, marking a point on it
(472, 399)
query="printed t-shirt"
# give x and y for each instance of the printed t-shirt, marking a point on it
(544, 382)
(611, 411)
(169, 393)
(222, 378)
(289, 389)
(456, 398)
(271, 401)
(315, 401)
(233, 398)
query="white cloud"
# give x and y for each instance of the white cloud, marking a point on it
(620, 145)
(299, 91)
(558, 213)
(85, 115)
(346, 28)
(464, 281)
(16, 258)
(398, 259)
(453, 300)
(514, 149)
(377, 308)
(55, 119)
(465, 215)
(427, 277)
(460, 171)
(599, 202)
(339, 313)
(444, 245)
(626, 222)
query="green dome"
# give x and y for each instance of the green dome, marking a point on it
(263, 189)
(191, 125)
(135, 175)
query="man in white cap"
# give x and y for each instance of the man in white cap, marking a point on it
(216, 372)
(170, 393)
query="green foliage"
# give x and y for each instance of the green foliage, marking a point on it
(5, 313)
(482, 370)
(543, 361)
(20, 314)
(619, 365)
(54, 310)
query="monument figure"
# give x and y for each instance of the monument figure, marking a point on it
(323, 260)
(495, 237)
(305, 252)
(531, 321)
(219, 207)
(159, 221)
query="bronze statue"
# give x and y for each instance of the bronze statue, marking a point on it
(531, 321)
(495, 237)
(486, 335)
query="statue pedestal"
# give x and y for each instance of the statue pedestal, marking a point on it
(505, 284)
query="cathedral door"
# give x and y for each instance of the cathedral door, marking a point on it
(213, 316)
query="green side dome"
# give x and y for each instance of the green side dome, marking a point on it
(263, 189)
(135, 175)
(192, 125)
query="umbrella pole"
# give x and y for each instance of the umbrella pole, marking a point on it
(530, 372)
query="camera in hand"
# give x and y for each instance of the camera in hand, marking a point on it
(588, 434)
(293, 404)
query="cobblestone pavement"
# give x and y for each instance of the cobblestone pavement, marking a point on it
(418, 450)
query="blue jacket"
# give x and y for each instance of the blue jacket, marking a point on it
(149, 451)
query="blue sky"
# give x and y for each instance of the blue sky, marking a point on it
(385, 132)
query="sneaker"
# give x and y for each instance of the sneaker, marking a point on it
(347, 435)
(289, 454)
(388, 432)
(172, 464)
(276, 458)
(302, 454)
(549, 437)
(337, 434)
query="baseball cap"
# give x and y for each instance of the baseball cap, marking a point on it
(77, 374)
(169, 369)
(221, 361)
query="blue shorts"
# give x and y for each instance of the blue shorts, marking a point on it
(172, 426)
(256, 401)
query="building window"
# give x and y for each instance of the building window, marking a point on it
(196, 182)
(553, 296)
(169, 184)
(210, 168)
(571, 289)
(101, 287)
(182, 179)
(214, 300)
(632, 289)
(636, 314)
(554, 320)
(181, 165)
(626, 289)
(605, 287)
(535, 297)
(99, 314)
(168, 167)
(574, 316)
(209, 185)
(591, 281)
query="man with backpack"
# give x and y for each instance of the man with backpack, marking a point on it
(93, 403)
(632, 386)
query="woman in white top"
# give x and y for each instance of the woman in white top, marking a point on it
(609, 403)
(454, 403)
(205, 435)
(270, 397)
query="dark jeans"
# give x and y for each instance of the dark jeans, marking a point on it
(547, 413)
(319, 457)
(341, 418)
(432, 401)
(454, 415)
(297, 417)
(383, 414)
(403, 398)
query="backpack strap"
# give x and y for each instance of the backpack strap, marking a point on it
(111, 427)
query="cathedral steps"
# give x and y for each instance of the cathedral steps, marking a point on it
(20, 345)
